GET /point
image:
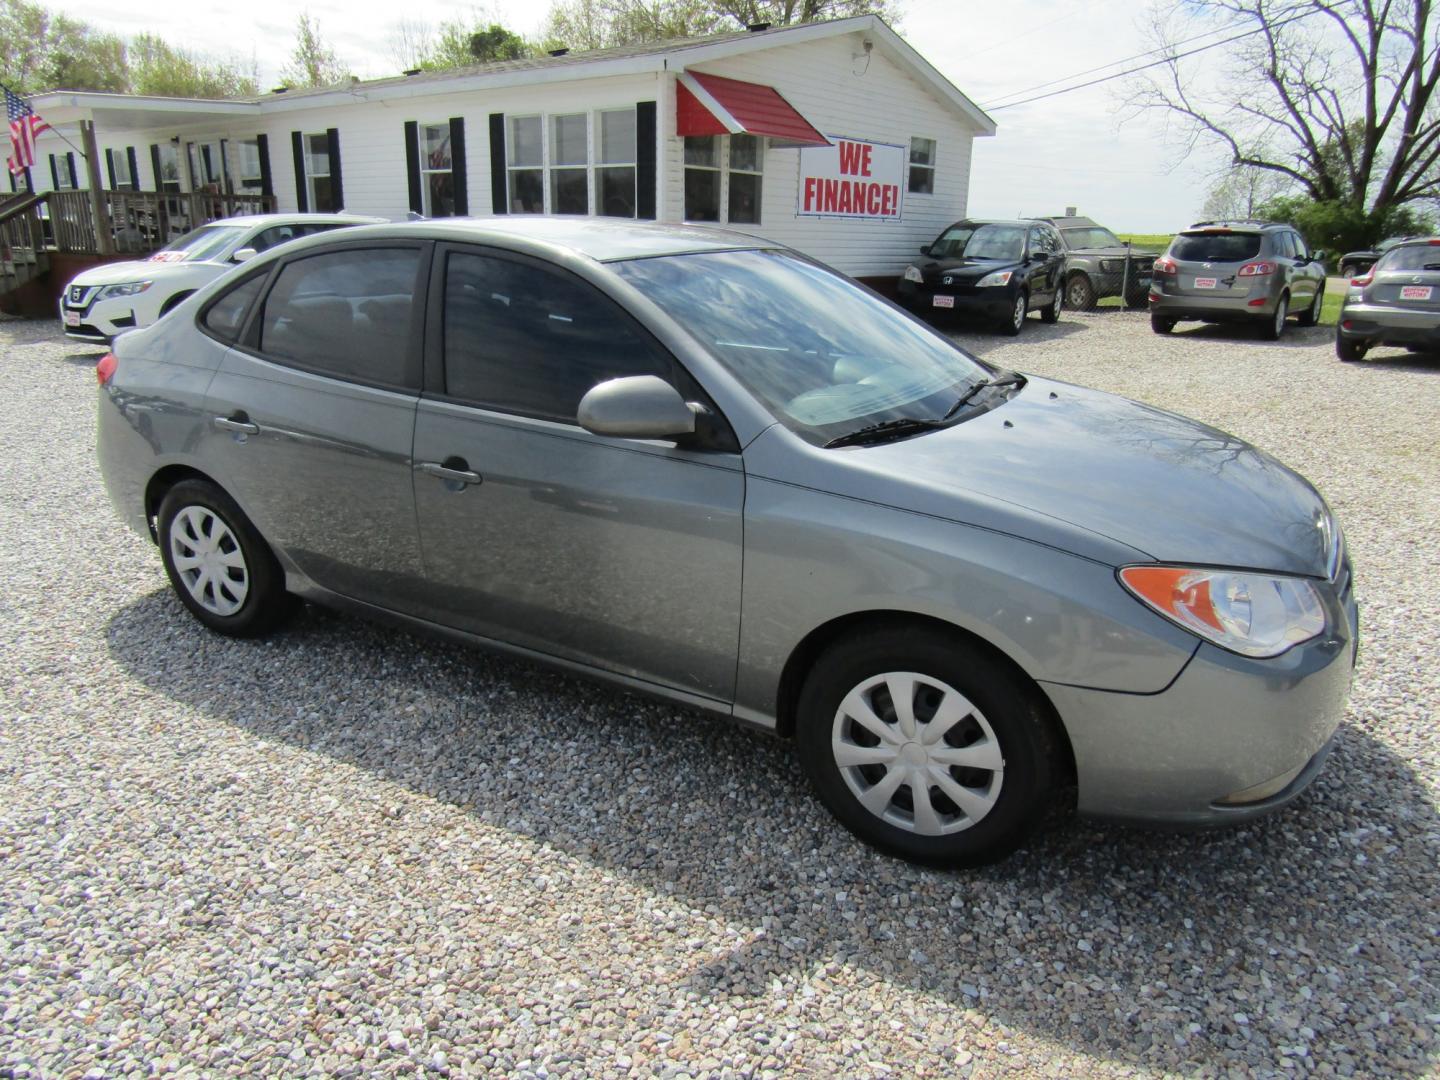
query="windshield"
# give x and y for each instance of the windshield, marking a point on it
(996, 242)
(1412, 257)
(203, 243)
(1091, 236)
(1215, 247)
(952, 242)
(824, 356)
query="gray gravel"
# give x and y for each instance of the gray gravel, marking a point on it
(348, 851)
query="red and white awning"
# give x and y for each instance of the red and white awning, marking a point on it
(711, 105)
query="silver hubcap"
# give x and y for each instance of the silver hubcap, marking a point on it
(209, 561)
(1019, 310)
(917, 754)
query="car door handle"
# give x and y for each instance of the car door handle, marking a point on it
(238, 423)
(444, 472)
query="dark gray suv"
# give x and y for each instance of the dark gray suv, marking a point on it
(1238, 271)
(1095, 264)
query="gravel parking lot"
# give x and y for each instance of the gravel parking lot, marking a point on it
(347, 851)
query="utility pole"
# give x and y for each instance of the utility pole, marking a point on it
(104, 238)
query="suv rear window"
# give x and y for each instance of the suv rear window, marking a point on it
(1411, 257)
(1215, 247)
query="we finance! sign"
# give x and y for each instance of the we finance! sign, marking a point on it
(852, 179)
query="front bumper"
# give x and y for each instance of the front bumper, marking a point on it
(1228, 728)
(991, 302)
(1376, 324)
(98, 321)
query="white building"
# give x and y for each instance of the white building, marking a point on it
(837, 138)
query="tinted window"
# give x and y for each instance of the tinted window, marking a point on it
(226, 315)
(280, 234)
(524, 339)
(1411, 257)
(344, 313)
(1298, 242)
(1282, 245)
(1215, 247)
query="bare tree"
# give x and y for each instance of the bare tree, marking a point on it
(1243, 191)
(409, 42)
(1338, 96)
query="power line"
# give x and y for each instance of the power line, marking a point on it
(1155, 63)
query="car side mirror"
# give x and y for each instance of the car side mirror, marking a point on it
(636, 407)
(924, 249)
(244, 255)
(1318, 256)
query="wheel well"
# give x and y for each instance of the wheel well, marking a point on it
(1073, 274)
(803, 658)
(162, 482)
(175, 301)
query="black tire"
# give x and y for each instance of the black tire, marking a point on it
(1019, 310)
(1021, 792)
(258, 584)
(1079, 293)
(174, 302)
(1050, 313)
(1160, 324)
(1137, 299)
(1274, 330)
(1348, 349)
(1311, 315)
(1349, 270)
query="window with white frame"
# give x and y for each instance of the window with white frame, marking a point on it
(60, 171)
(922, 166)
(317, 173)
(437, 171)
(569, 164)
(251, 174)
(525, 158)
(724, 176)
(120, 164)
(169, 178)
(615, 163)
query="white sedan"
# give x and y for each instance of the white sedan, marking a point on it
(108, 300)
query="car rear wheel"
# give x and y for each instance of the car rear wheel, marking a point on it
(1079, 293)
(1276, 326)
(925, 747)
(1160, 324)
(1311, 315)
(1349, 270)
(1016, 322)
(1051, 312)
(1348, 349)
(218, 564)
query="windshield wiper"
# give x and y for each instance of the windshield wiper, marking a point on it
(906, 425)
(1010, 378)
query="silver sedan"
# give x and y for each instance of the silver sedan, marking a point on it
(702, 466)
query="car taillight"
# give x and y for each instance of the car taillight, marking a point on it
(1363, 281)
(1165, 265)
(1257, 269)
(105, 369)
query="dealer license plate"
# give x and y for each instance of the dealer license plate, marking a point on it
(943, 301)
(1415, 292)
(72, 318)
(1204, 283)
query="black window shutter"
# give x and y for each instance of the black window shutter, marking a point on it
(267, 184)
(332, 135)
(645, 161)
(155, 164)
(457, 158)
(412, 165)
(110, 166)
(70, 165)
(134, 168)
(499, 202)
(54, 174)
(29, 181)
(11, 175)
(190, 166)
(297, 146)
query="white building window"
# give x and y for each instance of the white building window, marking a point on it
(525, 157)
(437, 171)
(169, 178)
(922, 166)
(251, 178)
(724, 172)
(120, 162)
(317, 173)
(615, 163)
(569, 164)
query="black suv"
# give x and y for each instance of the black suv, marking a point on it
(1095, 264)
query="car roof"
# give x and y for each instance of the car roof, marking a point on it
(997, 221)
(603, 241)
(1062, 222)
(248, 220)
(1237, 225)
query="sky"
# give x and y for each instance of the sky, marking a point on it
(1079, 149)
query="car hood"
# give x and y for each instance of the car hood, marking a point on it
(1113, 252)
(135, 270)
(1172, 488)
(965, 269)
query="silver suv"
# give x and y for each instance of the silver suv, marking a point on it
(1238, 271)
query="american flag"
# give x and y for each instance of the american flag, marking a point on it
(25, 128)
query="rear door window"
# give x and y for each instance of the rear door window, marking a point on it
(1216, 247)
(345, 313)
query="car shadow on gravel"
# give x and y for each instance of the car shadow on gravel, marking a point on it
(1305, 935)
(1295, 337)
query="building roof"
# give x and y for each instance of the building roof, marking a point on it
(126, 110)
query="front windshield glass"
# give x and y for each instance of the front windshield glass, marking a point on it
(1411, 257)
(824, 356)
(1091, 237)
(996, 242)
(203, 243)
(952, 242)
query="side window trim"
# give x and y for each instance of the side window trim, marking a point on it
(268, 279)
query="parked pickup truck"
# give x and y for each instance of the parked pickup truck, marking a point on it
(1095, 264)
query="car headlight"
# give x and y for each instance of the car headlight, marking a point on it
(1250, 614)
(1110, 266)
(129, 288)
(912, 273)
(999, 277)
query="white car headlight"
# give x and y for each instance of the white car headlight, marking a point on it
(129, 288)
(912, 273)
(999, 277)
(1251, 614)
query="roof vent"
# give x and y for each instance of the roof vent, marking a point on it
(558, 52)
(279, 90)
(412, 71)
(758, 27)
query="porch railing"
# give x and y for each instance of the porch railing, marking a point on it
(22, 241)
(141, 221)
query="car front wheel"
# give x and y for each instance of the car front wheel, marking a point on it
(218, 564)
(1079, 293)
(922, 745)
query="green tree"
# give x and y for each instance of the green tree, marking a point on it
(598, 24)
(159, 68)
(312, 62)
(40, 50)
(460, 43)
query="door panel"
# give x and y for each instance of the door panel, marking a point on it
(617, 553)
